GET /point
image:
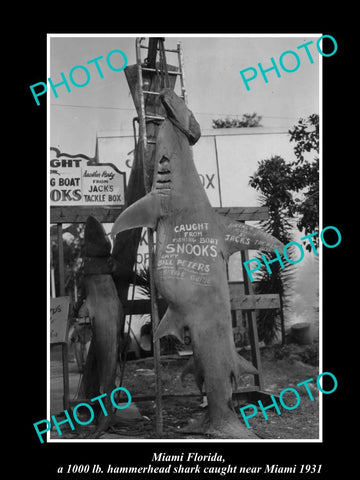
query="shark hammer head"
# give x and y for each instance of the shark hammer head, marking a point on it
(178, 113)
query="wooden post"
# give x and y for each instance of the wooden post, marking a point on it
(64, 351)
(52, 276)
(217, 169)
(153, 299)
(65, 362)
(182, 73)
(61, 260)
(155, 323)
(253, 333)
(282, 320)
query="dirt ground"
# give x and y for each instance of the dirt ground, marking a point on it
(283, 367)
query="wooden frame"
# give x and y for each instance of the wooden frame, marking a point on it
(79, 214)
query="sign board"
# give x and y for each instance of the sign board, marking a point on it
(59, 314)
(119, 150)
(224, 158)
(77, 182)
(204, 152)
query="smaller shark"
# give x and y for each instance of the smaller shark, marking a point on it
(106, 312)
(193, 244)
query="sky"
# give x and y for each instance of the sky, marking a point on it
(214, 85)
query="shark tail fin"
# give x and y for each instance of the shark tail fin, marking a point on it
(171, 324)
(239, 236)
(143, 213)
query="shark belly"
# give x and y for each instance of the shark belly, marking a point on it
(188, 258)
(191, 276)
(105, 307)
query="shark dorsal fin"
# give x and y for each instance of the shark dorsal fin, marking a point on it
(143, 213)
(239, 236)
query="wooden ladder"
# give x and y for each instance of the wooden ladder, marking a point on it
(155, 47)
(145, 116)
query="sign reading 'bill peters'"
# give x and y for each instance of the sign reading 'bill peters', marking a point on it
(73, 181)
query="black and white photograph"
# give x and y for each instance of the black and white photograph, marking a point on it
(188, 242)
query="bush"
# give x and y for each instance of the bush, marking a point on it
(293, 352)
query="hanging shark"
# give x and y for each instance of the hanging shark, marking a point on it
(193, 244)
(105, 310)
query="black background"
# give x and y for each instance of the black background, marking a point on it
(28, 395)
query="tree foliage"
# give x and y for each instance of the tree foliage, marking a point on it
(247, 120)
(72, 250)
(306, 139)
(272, 181)
(290, 190)
(299, 195)
(305, 174)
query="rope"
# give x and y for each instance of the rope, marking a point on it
(163, 63)
(135, 119)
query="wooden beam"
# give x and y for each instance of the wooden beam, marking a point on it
(156, 342)
(252, 326)
(244, 214)
(239, 302)
(140, 307)
(255, 302)
(61, 260)
(150, 397)
(79, 214)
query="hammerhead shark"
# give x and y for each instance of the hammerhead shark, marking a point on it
(193, 244)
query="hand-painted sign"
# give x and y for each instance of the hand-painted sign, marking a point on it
(190, 253)
(59, 313)
(74, 181)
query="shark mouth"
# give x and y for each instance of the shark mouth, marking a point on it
(163, 177)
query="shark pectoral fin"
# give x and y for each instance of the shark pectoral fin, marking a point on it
(170, 325)
(239, 236)
(143, 213)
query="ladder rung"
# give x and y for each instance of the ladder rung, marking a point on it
(155, 117)
(170, 72)
(166, 49)
(148, 92)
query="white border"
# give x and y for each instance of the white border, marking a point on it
(203, 440)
